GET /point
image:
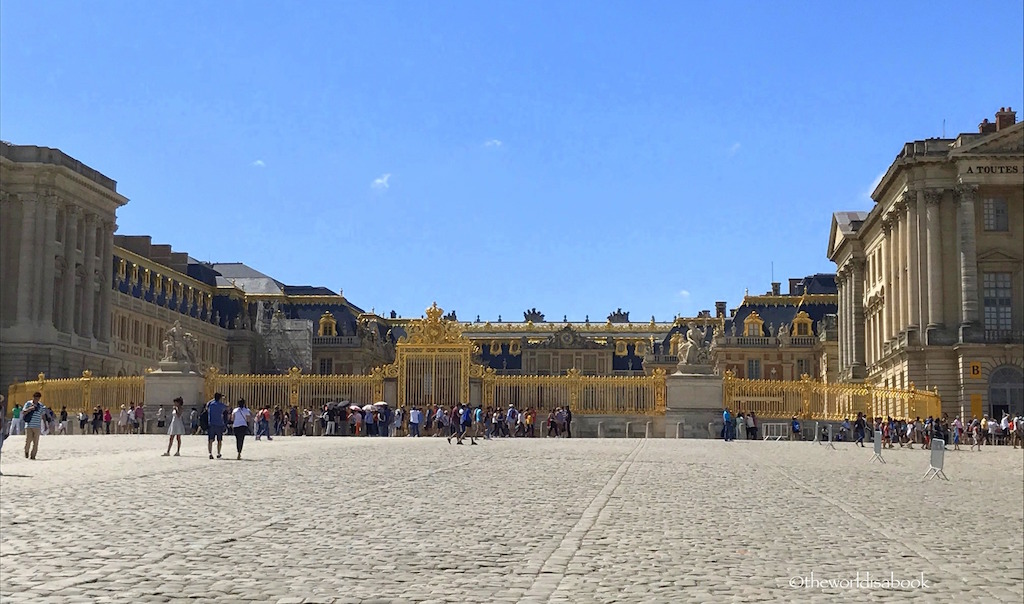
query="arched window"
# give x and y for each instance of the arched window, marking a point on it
(1006, 392)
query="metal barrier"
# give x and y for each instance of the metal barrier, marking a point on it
(775, 431)
(878, 447)
(936, 459)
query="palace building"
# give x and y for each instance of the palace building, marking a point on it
(931, 279)
(928, 292)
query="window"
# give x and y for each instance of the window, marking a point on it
(754, 369)
(326, 366)
(803, 367)
(998, 300)
(803, 329)
(995, 216)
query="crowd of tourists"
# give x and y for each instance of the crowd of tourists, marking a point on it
(435, 421)
(903, 432)
(130, 419)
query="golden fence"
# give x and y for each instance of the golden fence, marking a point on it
(585, 395)
(808, 399)
(295, 388)
(81, 394)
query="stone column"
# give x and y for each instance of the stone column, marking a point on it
(39, 250)
(887, 271)
(841, 286)
(89, 280)
(933, 228)
(900, 255)
(106, 278)
(48, 268)
(67, 314)
(913, 271)
(857, 277)
(968, 264)
(26, 262)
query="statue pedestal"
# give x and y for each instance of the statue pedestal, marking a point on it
(694, 397)
(163, 386)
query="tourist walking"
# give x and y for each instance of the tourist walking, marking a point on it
(240, 424)
(751, 426)
(859, 427)
(140, 419)
(177, 427)
(83, 420)
(16, 424)
(160, 421)
(552, 424)
(62, 426)
(107, 418)
(568, 422)
(215, 411)
(795, 427)
(32, 416)
(727, 425)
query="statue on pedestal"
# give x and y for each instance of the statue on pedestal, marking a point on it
(693, 350)
(180, 349)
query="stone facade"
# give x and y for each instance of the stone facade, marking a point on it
(57, 222)
(931, 279)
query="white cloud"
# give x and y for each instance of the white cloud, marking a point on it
(684, 293)
(381, 182)
(734, 149)
(867, 194)
(259, 163)
(493, 143)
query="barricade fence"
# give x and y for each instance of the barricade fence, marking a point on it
(808, 399)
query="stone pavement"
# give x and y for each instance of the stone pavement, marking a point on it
(99, 519)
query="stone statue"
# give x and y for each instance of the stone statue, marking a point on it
(732, 329)
(174, 344)
(783, 335)
(180, 347)
(693, 350)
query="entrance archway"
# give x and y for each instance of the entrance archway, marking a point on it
(1006, 392)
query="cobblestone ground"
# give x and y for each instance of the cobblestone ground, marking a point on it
(417, 520)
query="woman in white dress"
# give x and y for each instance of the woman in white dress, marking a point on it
(176, 429)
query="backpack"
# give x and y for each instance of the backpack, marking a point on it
(204, 419)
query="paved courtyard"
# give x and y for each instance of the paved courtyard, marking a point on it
(99, 519)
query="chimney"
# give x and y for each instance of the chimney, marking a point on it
(794, 287)
(720, 309)
(986, 127)
(1005, 118)
(776, 288)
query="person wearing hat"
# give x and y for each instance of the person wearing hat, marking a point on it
(177, 427)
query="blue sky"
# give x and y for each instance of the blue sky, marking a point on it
(576, 157)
